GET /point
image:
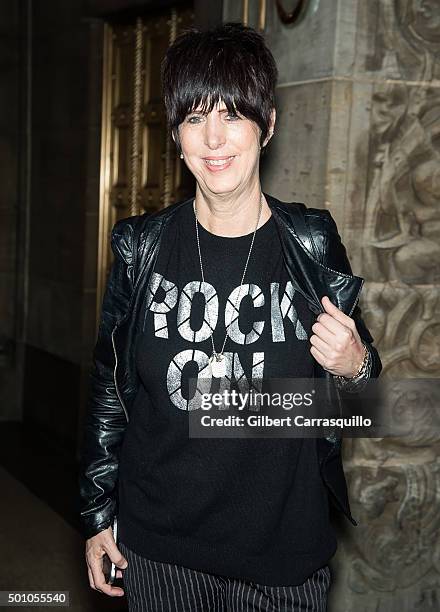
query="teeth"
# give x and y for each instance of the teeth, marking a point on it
(217, 162)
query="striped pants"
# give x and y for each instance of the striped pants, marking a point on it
(152, 586)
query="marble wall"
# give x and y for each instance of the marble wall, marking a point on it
(12, 200)
(50, 150)
(66, 127)
(359, 133)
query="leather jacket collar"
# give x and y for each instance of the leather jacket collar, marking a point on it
(310, 276)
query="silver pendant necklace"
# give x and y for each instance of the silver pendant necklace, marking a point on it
(217, 361)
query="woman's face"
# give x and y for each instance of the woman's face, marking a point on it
(220, 149)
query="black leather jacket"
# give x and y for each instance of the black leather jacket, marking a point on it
(317, 264)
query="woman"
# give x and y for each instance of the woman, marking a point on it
(225, 285)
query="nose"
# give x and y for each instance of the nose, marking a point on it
(215, 133)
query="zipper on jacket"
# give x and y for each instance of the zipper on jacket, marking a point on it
(356, 300)
(114, 375)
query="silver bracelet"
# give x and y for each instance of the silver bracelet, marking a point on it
(357, 382)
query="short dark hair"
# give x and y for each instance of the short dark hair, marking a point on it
(231, 62)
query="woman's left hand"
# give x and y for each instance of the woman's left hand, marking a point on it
(336, 344)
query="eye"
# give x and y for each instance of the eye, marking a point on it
(233, 116)
(194, 119)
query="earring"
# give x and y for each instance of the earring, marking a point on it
(181, 156)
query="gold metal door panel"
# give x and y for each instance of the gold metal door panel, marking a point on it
(140, 168)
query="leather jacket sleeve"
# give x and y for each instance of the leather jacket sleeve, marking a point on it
(105, 419)
(332, 254)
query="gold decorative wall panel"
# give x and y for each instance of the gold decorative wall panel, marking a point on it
(140, 168)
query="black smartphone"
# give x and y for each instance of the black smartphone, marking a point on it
(108, 567)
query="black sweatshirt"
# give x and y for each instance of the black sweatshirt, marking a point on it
(249, 508)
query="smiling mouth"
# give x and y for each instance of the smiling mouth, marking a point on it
(219, 163)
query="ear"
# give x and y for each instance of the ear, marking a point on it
(273, 117)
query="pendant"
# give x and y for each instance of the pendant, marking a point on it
(218, 365)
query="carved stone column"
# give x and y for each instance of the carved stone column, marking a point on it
(358, 132)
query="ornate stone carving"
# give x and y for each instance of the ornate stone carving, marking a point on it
(395, 482)
(403, 204)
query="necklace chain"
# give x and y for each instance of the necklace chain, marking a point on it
(214, 352)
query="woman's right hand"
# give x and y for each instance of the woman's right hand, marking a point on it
(96, 547)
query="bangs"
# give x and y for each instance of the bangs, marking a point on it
(205, 101)
(215, 74)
